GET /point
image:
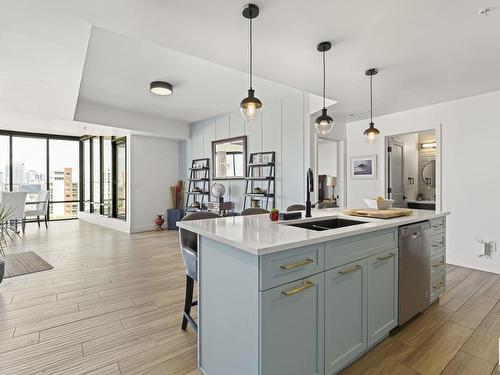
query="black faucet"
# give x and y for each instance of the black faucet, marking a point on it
(310, 188)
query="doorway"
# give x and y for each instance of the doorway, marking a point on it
(411, 169)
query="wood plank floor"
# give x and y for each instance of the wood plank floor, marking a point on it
(112, 305)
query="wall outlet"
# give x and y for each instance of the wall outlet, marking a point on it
(487, 248)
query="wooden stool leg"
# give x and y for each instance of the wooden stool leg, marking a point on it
(188, 301)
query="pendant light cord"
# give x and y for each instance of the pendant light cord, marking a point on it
(251, 54)
(324, 80)
(371, 99)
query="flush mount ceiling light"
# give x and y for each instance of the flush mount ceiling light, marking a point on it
(251, 105)
(372, 132)
(161, 88)
(324, 123)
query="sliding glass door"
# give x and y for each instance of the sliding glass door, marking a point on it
(31, 162)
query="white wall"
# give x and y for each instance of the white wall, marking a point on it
(154, 167)
(283, 126)
(470, 172)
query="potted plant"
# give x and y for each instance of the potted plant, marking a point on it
(175, 213)
(7, 234)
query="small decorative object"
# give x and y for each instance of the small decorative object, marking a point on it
(196, 204)
(364, 167)
(196, 189)
(274, 215)
(218, 190)
(159, 221)
(175, 213)
(7, 235)
(255, 203)
(257, 190)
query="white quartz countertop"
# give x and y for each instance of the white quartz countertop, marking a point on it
(258, 235)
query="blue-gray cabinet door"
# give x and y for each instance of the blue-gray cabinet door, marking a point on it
(292, 328)
(345, 315)
(382, 295)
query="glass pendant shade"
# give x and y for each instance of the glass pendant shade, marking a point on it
(323, 123)
(250, 106)
(371, 133)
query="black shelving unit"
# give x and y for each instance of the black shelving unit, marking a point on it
(260, 169)
(198, 184)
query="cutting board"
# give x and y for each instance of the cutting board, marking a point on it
(380, 214)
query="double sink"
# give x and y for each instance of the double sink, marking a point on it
(326, 224)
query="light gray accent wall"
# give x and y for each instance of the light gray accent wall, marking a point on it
(283, 126)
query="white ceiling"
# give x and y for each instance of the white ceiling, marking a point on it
(427, 51)
(118, 70)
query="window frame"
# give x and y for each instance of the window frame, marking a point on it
(114, 196)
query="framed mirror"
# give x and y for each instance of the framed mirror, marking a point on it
(229, 158)
(429, 174)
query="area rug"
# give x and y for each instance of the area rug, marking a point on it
(24, 263)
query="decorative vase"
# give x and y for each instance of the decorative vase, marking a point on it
(159, 221)
(173, 216)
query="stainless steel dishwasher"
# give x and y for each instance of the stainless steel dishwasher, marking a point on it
(414, 269)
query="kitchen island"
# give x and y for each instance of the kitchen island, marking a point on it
(275, 298)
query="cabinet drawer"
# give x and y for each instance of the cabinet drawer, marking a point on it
(438, 285)
(289, 265)
(438, 263)
(438, 225)
(346, 250)
(438, 244)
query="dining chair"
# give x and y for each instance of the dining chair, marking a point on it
(41, 208)
(15, 201)
(254, 211)
(189, 251)
(296, 207)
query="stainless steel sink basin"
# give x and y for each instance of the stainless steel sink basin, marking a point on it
(326, 224)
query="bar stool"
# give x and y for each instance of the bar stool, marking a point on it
(189, 251)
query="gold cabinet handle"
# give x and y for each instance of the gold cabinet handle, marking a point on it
(437, 226)
(297, 264)
(379, 259)
(304, 286)
(349, 270)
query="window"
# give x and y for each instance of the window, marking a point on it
(29, 165)
(4, 163)
(63, 179)
(121, 179)
(96, 175)
(104, 176)
(86, 175)
(32, 163)
(107, 178)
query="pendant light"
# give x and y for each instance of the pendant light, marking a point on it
(324, 123)
(372, 132)
(251, 105)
